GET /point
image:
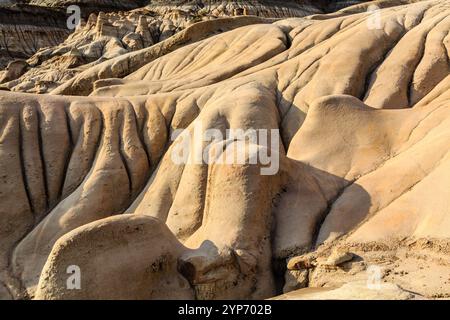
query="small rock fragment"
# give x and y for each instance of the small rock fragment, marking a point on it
(338, 257)
(306, 261)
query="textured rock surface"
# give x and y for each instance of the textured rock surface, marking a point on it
(364, 118)
(118, 246)
(352, 291)
(88, 5)
(268, 9)
(25, 29)
(103, 36)
(111, 45)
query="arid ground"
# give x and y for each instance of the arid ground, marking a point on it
(115, 138)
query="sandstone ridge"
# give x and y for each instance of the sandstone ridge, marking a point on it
(363, 111)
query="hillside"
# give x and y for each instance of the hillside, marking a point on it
(120, 169)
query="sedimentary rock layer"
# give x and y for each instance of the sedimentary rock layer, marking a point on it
(24, 30)
(362, 105)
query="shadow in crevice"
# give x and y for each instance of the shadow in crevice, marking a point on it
(313, 207)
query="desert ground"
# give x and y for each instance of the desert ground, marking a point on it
(115, 138)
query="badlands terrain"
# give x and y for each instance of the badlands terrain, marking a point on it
(356, 96)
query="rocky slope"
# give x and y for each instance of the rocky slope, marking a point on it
(362, 106)
(24, 30)
(267, 8)
(104, 36)
(101, 37)
(89, 6)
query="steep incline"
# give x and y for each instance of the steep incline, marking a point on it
(24, 30)
(362, 102)
(92, 5)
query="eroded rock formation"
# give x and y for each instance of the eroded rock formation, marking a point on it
(361, 101)
(91, 5)
(105, 36)
(25, 29)
(102, 36)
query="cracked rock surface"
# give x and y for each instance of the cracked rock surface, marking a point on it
(363, 112)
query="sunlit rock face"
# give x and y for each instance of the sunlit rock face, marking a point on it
(358, 102)
(39, 32)
(89, 5)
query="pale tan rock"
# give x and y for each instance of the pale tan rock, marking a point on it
(124, 65)
(14, 70)
(353, 172)
(92, 20)
(295, 279)
(118, 246)
(351, 291)
(133, 41)
(306, 261)
(143, 30)
(100, 39)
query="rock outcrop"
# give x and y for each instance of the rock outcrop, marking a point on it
(268, 9)
(25, 29)
(110, 35)
(89, 6)
(352, 291)
(361, 102)
(102, 36)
